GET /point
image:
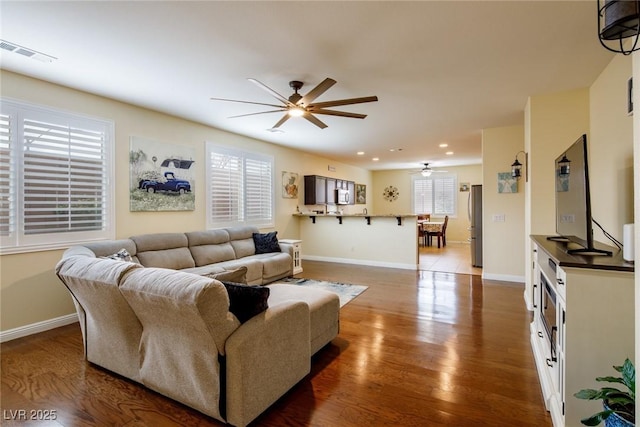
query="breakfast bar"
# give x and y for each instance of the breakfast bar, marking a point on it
(358, 239)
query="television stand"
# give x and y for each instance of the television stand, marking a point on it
(558, 239)
(589, 252)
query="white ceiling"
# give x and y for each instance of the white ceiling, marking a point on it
(442, 70)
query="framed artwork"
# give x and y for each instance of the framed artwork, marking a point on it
(361, 194)
(507, 183)
(290, 185)
(161, 176)
(465, 186)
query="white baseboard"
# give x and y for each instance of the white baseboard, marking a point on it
(360, 262)
(35, 328)
(503, 277)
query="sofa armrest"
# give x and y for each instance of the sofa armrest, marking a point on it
(266, 357)
(286, 248)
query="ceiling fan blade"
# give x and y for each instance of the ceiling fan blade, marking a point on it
(246, 102)
(316, 91)
(339, 113)
(281, 98)
(344, 102)
(281, 121)
(261, 112)
(313, 119)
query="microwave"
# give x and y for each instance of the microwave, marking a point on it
(342, 196)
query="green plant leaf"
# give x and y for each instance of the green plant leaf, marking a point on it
(629, 376)
(611, 380)
(596, 419)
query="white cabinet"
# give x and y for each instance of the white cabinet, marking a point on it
(583, 324)
(297, 254)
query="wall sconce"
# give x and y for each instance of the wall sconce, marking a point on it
(516, 167)
(564, 166)
(621, 20)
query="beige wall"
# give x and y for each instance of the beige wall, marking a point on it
(30, 291)
(611, 150)
(457, 230)
(503, 242)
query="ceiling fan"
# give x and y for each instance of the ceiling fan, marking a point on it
(298, 105)
(427, 170)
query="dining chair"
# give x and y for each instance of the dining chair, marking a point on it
(441, 235)
(421, 235)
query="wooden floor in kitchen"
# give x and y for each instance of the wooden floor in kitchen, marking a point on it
(453, 258)
(417, 348)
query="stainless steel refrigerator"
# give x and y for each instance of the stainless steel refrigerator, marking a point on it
(475, 216)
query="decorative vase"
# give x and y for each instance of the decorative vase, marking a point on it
(615, 420)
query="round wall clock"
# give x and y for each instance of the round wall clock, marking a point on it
(390, 193)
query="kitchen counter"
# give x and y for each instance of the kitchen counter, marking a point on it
(384, 240)
(367, 216)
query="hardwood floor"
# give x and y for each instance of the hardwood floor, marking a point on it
(418, 348)
(453, 258)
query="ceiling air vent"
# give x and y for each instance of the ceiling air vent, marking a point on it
(24, 51)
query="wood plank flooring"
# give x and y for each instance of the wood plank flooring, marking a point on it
(418, 348)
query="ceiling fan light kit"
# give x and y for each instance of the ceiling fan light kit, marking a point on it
(303, 106)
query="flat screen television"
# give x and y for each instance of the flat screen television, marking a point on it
(573, 199)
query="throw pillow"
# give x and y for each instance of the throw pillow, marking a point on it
(121, 255)
(267, 242)
(246, 301)
(239, 275)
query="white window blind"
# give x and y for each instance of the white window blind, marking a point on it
(55, 178)
(435, 195)
(239, 187)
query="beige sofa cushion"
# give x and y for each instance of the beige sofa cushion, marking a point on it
(186, 323)
(164, 250)
(242, 240)
(111, 330)
(324, 308)
(208, 247)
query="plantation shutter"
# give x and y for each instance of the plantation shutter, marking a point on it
(435, 195)
(422, 196)
(64, 178)
(7, 188)
(225, 181)
(56, 185)
(258, 190)
(444, 195)
(239, 187)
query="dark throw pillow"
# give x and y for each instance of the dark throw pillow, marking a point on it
(246, 301)
(266, 242)
(238, 275)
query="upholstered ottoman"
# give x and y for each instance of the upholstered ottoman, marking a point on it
(324, 307)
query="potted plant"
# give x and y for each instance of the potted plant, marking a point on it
(619, 405)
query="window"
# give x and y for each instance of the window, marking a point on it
(435, 195)
(55, 178)
(239, 187)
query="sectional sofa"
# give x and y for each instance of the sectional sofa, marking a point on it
(161, 319)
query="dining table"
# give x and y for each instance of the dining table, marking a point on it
(428, 226)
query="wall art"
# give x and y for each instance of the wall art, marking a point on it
(161, 176)
(507, 183)
(290, 185)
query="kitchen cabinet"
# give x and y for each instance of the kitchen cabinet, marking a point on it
(321, 190)
(315, 190)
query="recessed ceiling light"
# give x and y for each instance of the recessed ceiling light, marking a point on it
(395, 149)
(444, 145)
(449, 153)
(360, 153)
(375, 159)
